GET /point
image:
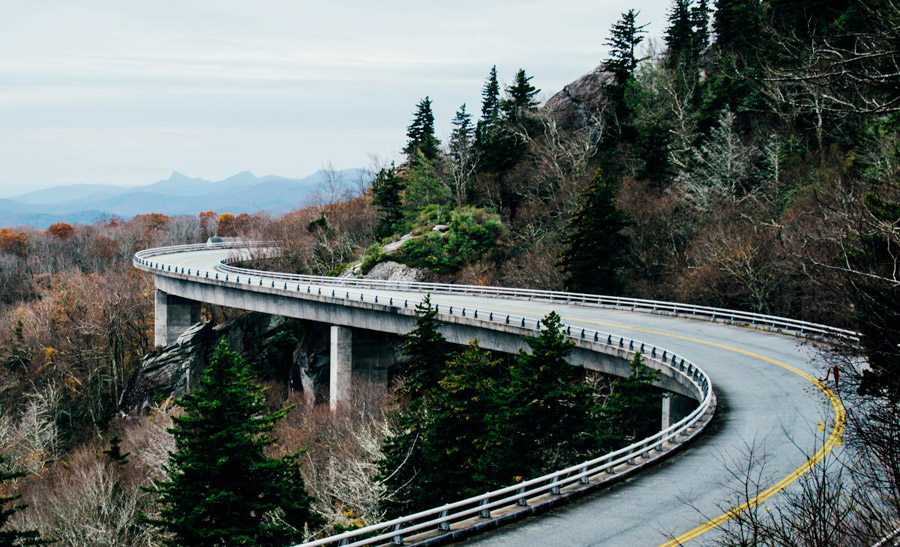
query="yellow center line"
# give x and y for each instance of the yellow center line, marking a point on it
(839, 420)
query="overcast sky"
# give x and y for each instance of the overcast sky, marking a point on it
(124, 93)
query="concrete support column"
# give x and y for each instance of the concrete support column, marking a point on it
(341, 366)
(173, 315)
(675, 408)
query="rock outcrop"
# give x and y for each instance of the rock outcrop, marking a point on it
(290, 350)
(577, 102)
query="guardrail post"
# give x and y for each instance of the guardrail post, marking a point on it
(398, 539)
(444, 526)
(554, 489)
(522, 501)
(584, 479)
(485, 513)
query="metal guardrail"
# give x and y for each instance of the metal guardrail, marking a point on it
(783, 325)
(600, 469)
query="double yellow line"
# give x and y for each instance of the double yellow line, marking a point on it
(833, 438)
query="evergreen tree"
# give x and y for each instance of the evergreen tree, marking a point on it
(439, 454)
(425, 353)
(596, 248)
(11, 538)
(462, 136)
(487, 130)
(462, 154)
(421, 133)
(625, 35)
(519, 97)
(680, 37)
(700, 21)
(454, 444)
(114, 452)
(633, 407)
(548, 418)
(490, 104)
(736, 24)
(387, 190)
(221, 488)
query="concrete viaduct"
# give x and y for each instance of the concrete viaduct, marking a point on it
(762, 377)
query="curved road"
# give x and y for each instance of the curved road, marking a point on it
(769, 401)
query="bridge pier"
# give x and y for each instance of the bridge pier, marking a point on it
(675, 408)
(173, 316)
(341, 366)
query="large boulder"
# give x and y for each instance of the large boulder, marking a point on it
(578, 102)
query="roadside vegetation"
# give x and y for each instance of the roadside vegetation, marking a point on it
(750, 160)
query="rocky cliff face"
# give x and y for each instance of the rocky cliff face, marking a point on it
(578, 101)
(290, 350)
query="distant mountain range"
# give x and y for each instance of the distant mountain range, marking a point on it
(177, 195)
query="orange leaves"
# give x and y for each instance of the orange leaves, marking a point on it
(62, 230)
(12, 242)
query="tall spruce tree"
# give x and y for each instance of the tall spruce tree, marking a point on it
(681, 40)
(519, 97)
(488, 134)
(420, 133)
(876, 297)
(737, 24)
(425, 353)
(624, 37)
(490, 105)
(387, 196)
(596, 248)
(700, 21)
(12, 537)
(462, 136)
(549, 412)
(455, 444)
(221, 488)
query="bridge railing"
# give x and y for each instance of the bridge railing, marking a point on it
(803, 329)
(558, 483)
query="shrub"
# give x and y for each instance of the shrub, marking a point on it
(473, 233)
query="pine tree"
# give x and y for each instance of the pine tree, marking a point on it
(490, 102)
(548, 418)
(633, 407)
(455, 444)
(425, 352)
(519, 97)
(700, 22)
(681, 39)
(596, 248)
(221, 488)
(461, 138)
(114, 452)
(421, 133)
(387, 190)
(736, 24)
(625, 35)
(462, 154)
(11, 538)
